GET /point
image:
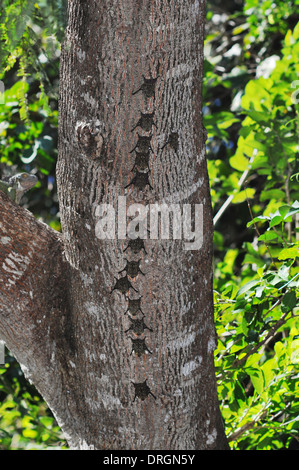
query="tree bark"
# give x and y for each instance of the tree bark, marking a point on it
(62, 313)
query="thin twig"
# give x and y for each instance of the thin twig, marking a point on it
(234, 436)
(231, 197)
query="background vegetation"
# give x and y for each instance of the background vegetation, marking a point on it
(251, 105)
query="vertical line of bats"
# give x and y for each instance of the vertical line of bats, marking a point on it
(143, 150)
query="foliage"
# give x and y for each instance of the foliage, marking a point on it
(28, 109)
(252, 128)
(251, 93)
(29, 58)
(25, 420)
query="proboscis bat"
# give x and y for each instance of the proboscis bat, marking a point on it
(147, 87)
(140, 181)
(136, 245)
(139, 347)
(134, 306)
(142, 391)
(132, 268)
(146, 122)
(123, 285)
(138, 326)
(173, 141)
(143, 144)
(142, 161)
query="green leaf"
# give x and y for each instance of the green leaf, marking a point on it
(283, 210)
(239, 161)
(259, 291)
(244, 325)
(276, 220)
(257, 219)
(257, 380)
(289, 302)
(226, 123)
(293, 210)
(243, 195)
(289, 253)
(268, 371)
(268, 236)
(258, 116)
(239, 392)
(248, 286)
(260, 162)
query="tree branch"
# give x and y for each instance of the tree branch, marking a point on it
(31, 266)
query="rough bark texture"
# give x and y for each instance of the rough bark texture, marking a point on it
(80, 355)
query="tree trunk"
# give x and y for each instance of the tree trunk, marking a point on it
(117, 376)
